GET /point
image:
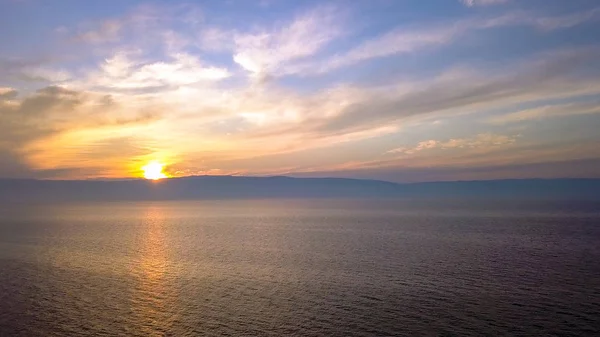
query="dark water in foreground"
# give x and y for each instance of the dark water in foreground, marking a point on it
(303, 268)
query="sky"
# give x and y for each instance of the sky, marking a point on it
(398, 90)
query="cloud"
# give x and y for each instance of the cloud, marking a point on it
(407, 40)
(566, 21)
(45, 74)
(395, 42)
(142, 22)
(552, 160)
(483, 140)
(247, 124)
(473, 3)
(392, 43)
(265, 51)
(261, 122)
(548, 111)
(8, 93)
(554, 76)
(107, 31)
(577, 168)
(268, 123)
(165, 87)
(31, 69)
(123, 72)
(31, 128)
(26, 120)
(542, 22)
(30, 117)
(110, 156)
(215, 39)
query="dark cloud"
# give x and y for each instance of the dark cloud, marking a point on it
(53, 110)
(27, 69)
(25, 121)
(8, 94)
(49, 98)
(29, 119)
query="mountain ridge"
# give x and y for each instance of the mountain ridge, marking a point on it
(241, 187)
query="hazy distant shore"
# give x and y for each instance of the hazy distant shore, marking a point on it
(237, 187)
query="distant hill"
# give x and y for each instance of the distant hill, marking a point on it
(236, 187)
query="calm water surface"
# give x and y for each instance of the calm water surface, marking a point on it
(300, 268)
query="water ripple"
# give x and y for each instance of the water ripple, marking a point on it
(195, 269)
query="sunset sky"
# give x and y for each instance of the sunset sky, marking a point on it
(400, 90)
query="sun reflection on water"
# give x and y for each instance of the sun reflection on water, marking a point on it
(152, 309)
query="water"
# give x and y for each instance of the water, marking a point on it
(300, 268)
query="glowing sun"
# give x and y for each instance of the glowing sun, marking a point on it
(154, 171)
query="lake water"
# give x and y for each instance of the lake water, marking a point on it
(300, 268)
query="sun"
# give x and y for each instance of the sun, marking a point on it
(154, 171)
